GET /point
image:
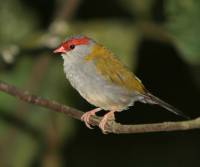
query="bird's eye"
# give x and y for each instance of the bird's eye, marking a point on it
(72, 46)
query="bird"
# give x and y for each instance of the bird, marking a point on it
(103, 80)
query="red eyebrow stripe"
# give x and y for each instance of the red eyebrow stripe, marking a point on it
(79, 41)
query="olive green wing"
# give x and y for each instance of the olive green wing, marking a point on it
(113, 70)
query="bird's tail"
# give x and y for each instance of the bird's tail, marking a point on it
(151, 99)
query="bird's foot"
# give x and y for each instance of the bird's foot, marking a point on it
(107, 117)
(86, 116)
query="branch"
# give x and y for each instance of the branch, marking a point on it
(66, 9)
(111, 127)
(155, 32)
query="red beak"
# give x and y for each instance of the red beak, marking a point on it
(60, 49)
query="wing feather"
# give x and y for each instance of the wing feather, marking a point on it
(113, 70)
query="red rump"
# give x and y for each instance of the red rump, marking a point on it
(66, 46)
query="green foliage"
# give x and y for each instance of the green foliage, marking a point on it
(23, 149)
(16, 20)
(183, 24)
(18, 76)
(41, 73)
(140, 8)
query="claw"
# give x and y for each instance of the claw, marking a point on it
(86, 117)
(106, 118)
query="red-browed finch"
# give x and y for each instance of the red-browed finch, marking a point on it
(102, 79)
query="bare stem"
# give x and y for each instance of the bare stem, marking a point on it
(112, 127)
(66, 9)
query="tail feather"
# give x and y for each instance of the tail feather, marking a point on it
(149, 98)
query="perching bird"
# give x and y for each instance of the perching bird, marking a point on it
(102, 79)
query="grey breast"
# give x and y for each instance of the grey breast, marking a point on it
(84, 77)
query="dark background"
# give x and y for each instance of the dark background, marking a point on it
(157, 39)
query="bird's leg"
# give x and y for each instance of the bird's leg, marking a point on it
(86, 116)
(107, 117)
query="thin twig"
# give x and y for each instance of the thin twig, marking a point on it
(112, 127)
(155, 32)
(66, 9)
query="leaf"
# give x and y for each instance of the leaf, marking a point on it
(140, 8)
(17, 24)
(16, 76)
(18, 152)
(183, 25)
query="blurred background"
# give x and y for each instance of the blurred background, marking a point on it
(158, 39)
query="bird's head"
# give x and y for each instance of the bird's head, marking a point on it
(75, 46)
